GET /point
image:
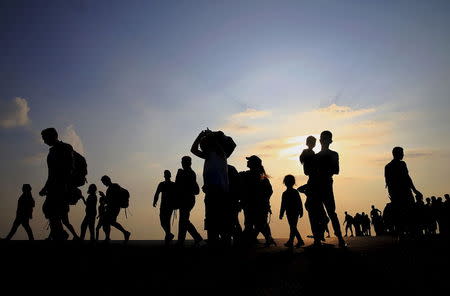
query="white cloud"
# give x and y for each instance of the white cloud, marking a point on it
(14, 113)
(70, 136)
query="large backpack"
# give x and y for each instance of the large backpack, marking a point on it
(124, 198)
(79, 171)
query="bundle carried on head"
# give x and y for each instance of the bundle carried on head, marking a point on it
(217, 140)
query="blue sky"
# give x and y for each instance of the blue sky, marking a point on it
(131, 84)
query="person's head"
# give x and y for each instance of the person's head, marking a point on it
(92, 189)
(428, 200)
(433, 198)
(49, 136)
(346, 213)
(254, 163)
(26, 188)
(326, 138)
(439, 199)
(289, 181)
(447, 197)
(167, 175)
(311, 142)
(419, 198)
(397, 153)
(373, 207)
(106, 181)
(363, 213)
(186, 162)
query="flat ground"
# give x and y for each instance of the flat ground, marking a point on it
(378, 265)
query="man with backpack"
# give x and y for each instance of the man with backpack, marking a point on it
(116, 198)
(58, 187)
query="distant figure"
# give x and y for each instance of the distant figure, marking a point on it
(446, 217)
(357, 224)
(400, 187)
(317, 216)
(24, 213)
(348, 224)
(167, 188)
(215, 148)
(91, 213)
(365, 224)
(113, 197)
(388, 220)
(327, 162)
(419, 216)
(257, 191)
(101, 216)
(291, 203)
(187, 189)
(58, 187)
(377, 220)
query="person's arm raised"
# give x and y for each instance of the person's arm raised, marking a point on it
(195, 146)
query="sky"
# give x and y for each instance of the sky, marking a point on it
(131, 84)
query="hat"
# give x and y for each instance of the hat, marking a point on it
(255, 159)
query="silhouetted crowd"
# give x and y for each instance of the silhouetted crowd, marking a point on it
(228, 193)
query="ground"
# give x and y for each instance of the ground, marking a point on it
(378, 265)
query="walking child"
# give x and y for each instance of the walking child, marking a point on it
(24, 213)
(91, 212)
(291, 203)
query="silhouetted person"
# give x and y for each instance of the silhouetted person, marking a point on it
(438, 207)
(187, 189)
(58, 187)
(317, 216)
(377, 220)
(91, 213)
(257, 192)
(235, 193)
(24, 213)
(365, 224)
(400, 187)
(168, 190)
(446, 216)
(327, 162)
(420, 216)
(113, 200)
(291, 203)
(357, 224)
(348, 223)
(101, 216)
(388, 218)
(215, 148)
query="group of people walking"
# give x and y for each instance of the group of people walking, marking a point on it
(227, 193)
(66, 172)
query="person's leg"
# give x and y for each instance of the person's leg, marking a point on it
(164, 217)
(84, 225)
(97, 228)
(330, 206)
(26, 225)
(14, 227)
(66, 222)
(91, 224)
(182, 225)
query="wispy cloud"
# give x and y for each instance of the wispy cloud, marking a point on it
(342, 112)
(250, 114)
(243, 122)
(14, 113)
(70, 136)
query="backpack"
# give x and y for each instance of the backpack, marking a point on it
(74, 196)
(79, 171)
(124, 198)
